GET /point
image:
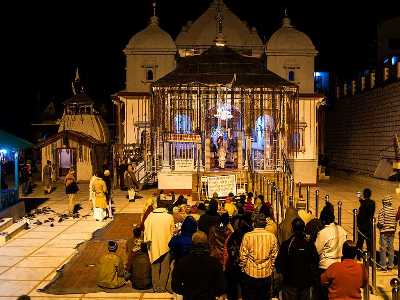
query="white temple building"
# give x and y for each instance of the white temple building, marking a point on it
(152, 53)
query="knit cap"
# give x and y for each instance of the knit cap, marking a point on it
(387, 200)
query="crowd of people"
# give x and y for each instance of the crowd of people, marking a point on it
(234, 247)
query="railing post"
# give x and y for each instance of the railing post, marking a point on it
(300, 196)
(355, 211)
(277, 203)
(272, 193)
(291, 186)
(316, 202)
(366, 267)
(308, 198)
(339, 212)
(268, 187)
(395, 284)
(373, 248)
(281, 203)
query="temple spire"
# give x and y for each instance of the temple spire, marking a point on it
(286, 20)
(77, 87)
(219, 17)
(154, 18)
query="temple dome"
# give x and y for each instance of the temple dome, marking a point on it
(201, 34)
(289, 39)
(152, 38)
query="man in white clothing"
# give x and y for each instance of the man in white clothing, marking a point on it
(329, 243)
(158, 230)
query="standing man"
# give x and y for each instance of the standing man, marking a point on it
(258, 252)
(47, 179)
(158, 229)
(329, 245)
(387, 227)
(364, 220)
(346, 278)
(298, 262)
(131, 183)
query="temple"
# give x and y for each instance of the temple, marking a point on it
(216, 101)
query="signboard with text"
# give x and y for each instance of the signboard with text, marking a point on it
(222, 185)
(184, 164)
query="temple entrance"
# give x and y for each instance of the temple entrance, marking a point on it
(224, 132)
(263, 143)
(66, 160)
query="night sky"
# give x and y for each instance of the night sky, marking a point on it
(45, 41)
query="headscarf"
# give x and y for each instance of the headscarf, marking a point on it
(285, 228)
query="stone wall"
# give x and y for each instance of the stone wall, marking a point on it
(360, 128)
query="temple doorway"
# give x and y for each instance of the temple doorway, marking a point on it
(262, 143)
(66, 160)
(224, 132)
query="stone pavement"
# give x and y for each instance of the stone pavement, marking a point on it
(30, 260)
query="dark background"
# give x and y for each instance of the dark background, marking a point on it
(45, 41)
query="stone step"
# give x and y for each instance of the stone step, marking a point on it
(11, 231)
(5, 223)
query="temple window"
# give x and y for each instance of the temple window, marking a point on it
(291, 76)
(298, 138)
(149, 74)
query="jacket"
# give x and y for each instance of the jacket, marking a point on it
(130, 180)
(158, 229)
(298, 262)
(387, 219)
(198, 276)
(141, 271)
(110, 271)
(217, 238)
(100, 189)
(365, 214)
(329, 244)
(345, 279)
(181, 244)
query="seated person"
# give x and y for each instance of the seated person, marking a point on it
(141, 269)
(110, 269)
(133, 245)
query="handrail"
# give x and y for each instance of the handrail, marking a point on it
(285, 162)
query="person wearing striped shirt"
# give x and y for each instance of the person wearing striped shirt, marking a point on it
(258, 252)
(387, 227)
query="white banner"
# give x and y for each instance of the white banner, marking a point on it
(222, 185)
(184, 164)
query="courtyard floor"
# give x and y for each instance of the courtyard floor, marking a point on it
(30, 260)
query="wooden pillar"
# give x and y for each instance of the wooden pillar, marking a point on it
(207, 154)
(240, 151)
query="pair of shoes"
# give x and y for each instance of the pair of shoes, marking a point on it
(390, 268)
(382, 269)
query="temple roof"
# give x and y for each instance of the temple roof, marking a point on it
(222, 65)
(79, 99)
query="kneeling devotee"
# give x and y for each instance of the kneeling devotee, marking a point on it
(110, 270)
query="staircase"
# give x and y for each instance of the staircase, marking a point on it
(9, 229)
